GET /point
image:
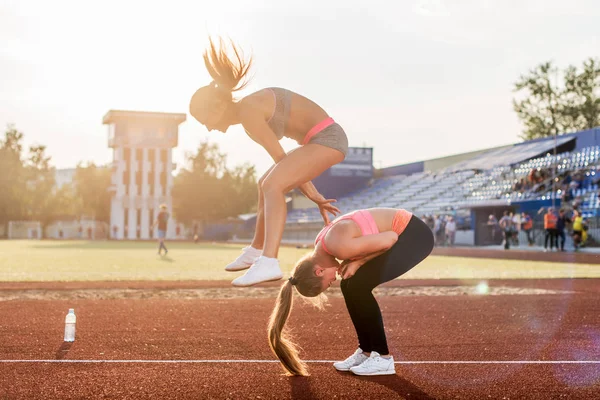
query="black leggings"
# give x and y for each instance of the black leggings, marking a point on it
(551, 234)
(413, 245)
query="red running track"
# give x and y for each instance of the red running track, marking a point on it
(556, 326)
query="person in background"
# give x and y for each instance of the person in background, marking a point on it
(561, 223)
(527, 226)
(578, 227)
(450, 231)
(437, 227)
(492, 224)
(162, 220)
(506, 225)
(550, 220)
(196, 237)
(516, 227)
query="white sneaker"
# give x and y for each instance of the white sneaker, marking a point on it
(375, 365)
(245, 260)
(354, 360)
(264, 269)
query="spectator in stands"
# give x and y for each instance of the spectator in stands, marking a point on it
(561, 224)
(524, 185)
(567, 196)
(596, 176)
(527, 226)
(518, 186)
(450, 231)
(550, 220)
(578, 179)
(566, 181)
(577, 202)
(507, 229)
(531, 177)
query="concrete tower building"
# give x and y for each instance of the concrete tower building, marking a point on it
(142, 178)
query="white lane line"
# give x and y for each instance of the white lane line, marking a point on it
(276, 361)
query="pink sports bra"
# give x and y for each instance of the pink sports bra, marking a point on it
(363, 219)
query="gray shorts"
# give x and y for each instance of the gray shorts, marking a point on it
(334, 137)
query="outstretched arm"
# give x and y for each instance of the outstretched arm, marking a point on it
(325, 206)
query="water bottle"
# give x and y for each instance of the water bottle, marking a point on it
(70, 326)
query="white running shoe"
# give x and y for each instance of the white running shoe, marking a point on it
(375, 365)
(245, 260)
(354, 360)
(264, 269)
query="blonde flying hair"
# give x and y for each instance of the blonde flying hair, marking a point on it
(281, 342)
(229, 73)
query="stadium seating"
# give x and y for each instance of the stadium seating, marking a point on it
(454, 187)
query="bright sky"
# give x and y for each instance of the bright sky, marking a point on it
(415, 79)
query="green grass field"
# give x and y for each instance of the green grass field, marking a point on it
(22, 260)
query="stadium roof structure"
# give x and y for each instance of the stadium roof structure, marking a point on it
(511, 155)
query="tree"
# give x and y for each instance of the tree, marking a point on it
(245, 190)
(40, 182)
(541, 110)
(12, 178)
(207, 191)
(549, 107)
(91, 185)
(583, 88)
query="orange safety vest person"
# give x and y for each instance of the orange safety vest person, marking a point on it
(528, 224)
(550, 220)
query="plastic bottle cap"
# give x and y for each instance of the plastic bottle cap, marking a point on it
(72, 310)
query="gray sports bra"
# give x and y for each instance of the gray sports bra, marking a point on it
(283, 100)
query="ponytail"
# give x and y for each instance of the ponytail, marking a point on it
(230, 74)
(280, 341)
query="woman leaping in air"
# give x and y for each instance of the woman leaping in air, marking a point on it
(268, 115)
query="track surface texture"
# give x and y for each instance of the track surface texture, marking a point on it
(516, 323)
(452, 339)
